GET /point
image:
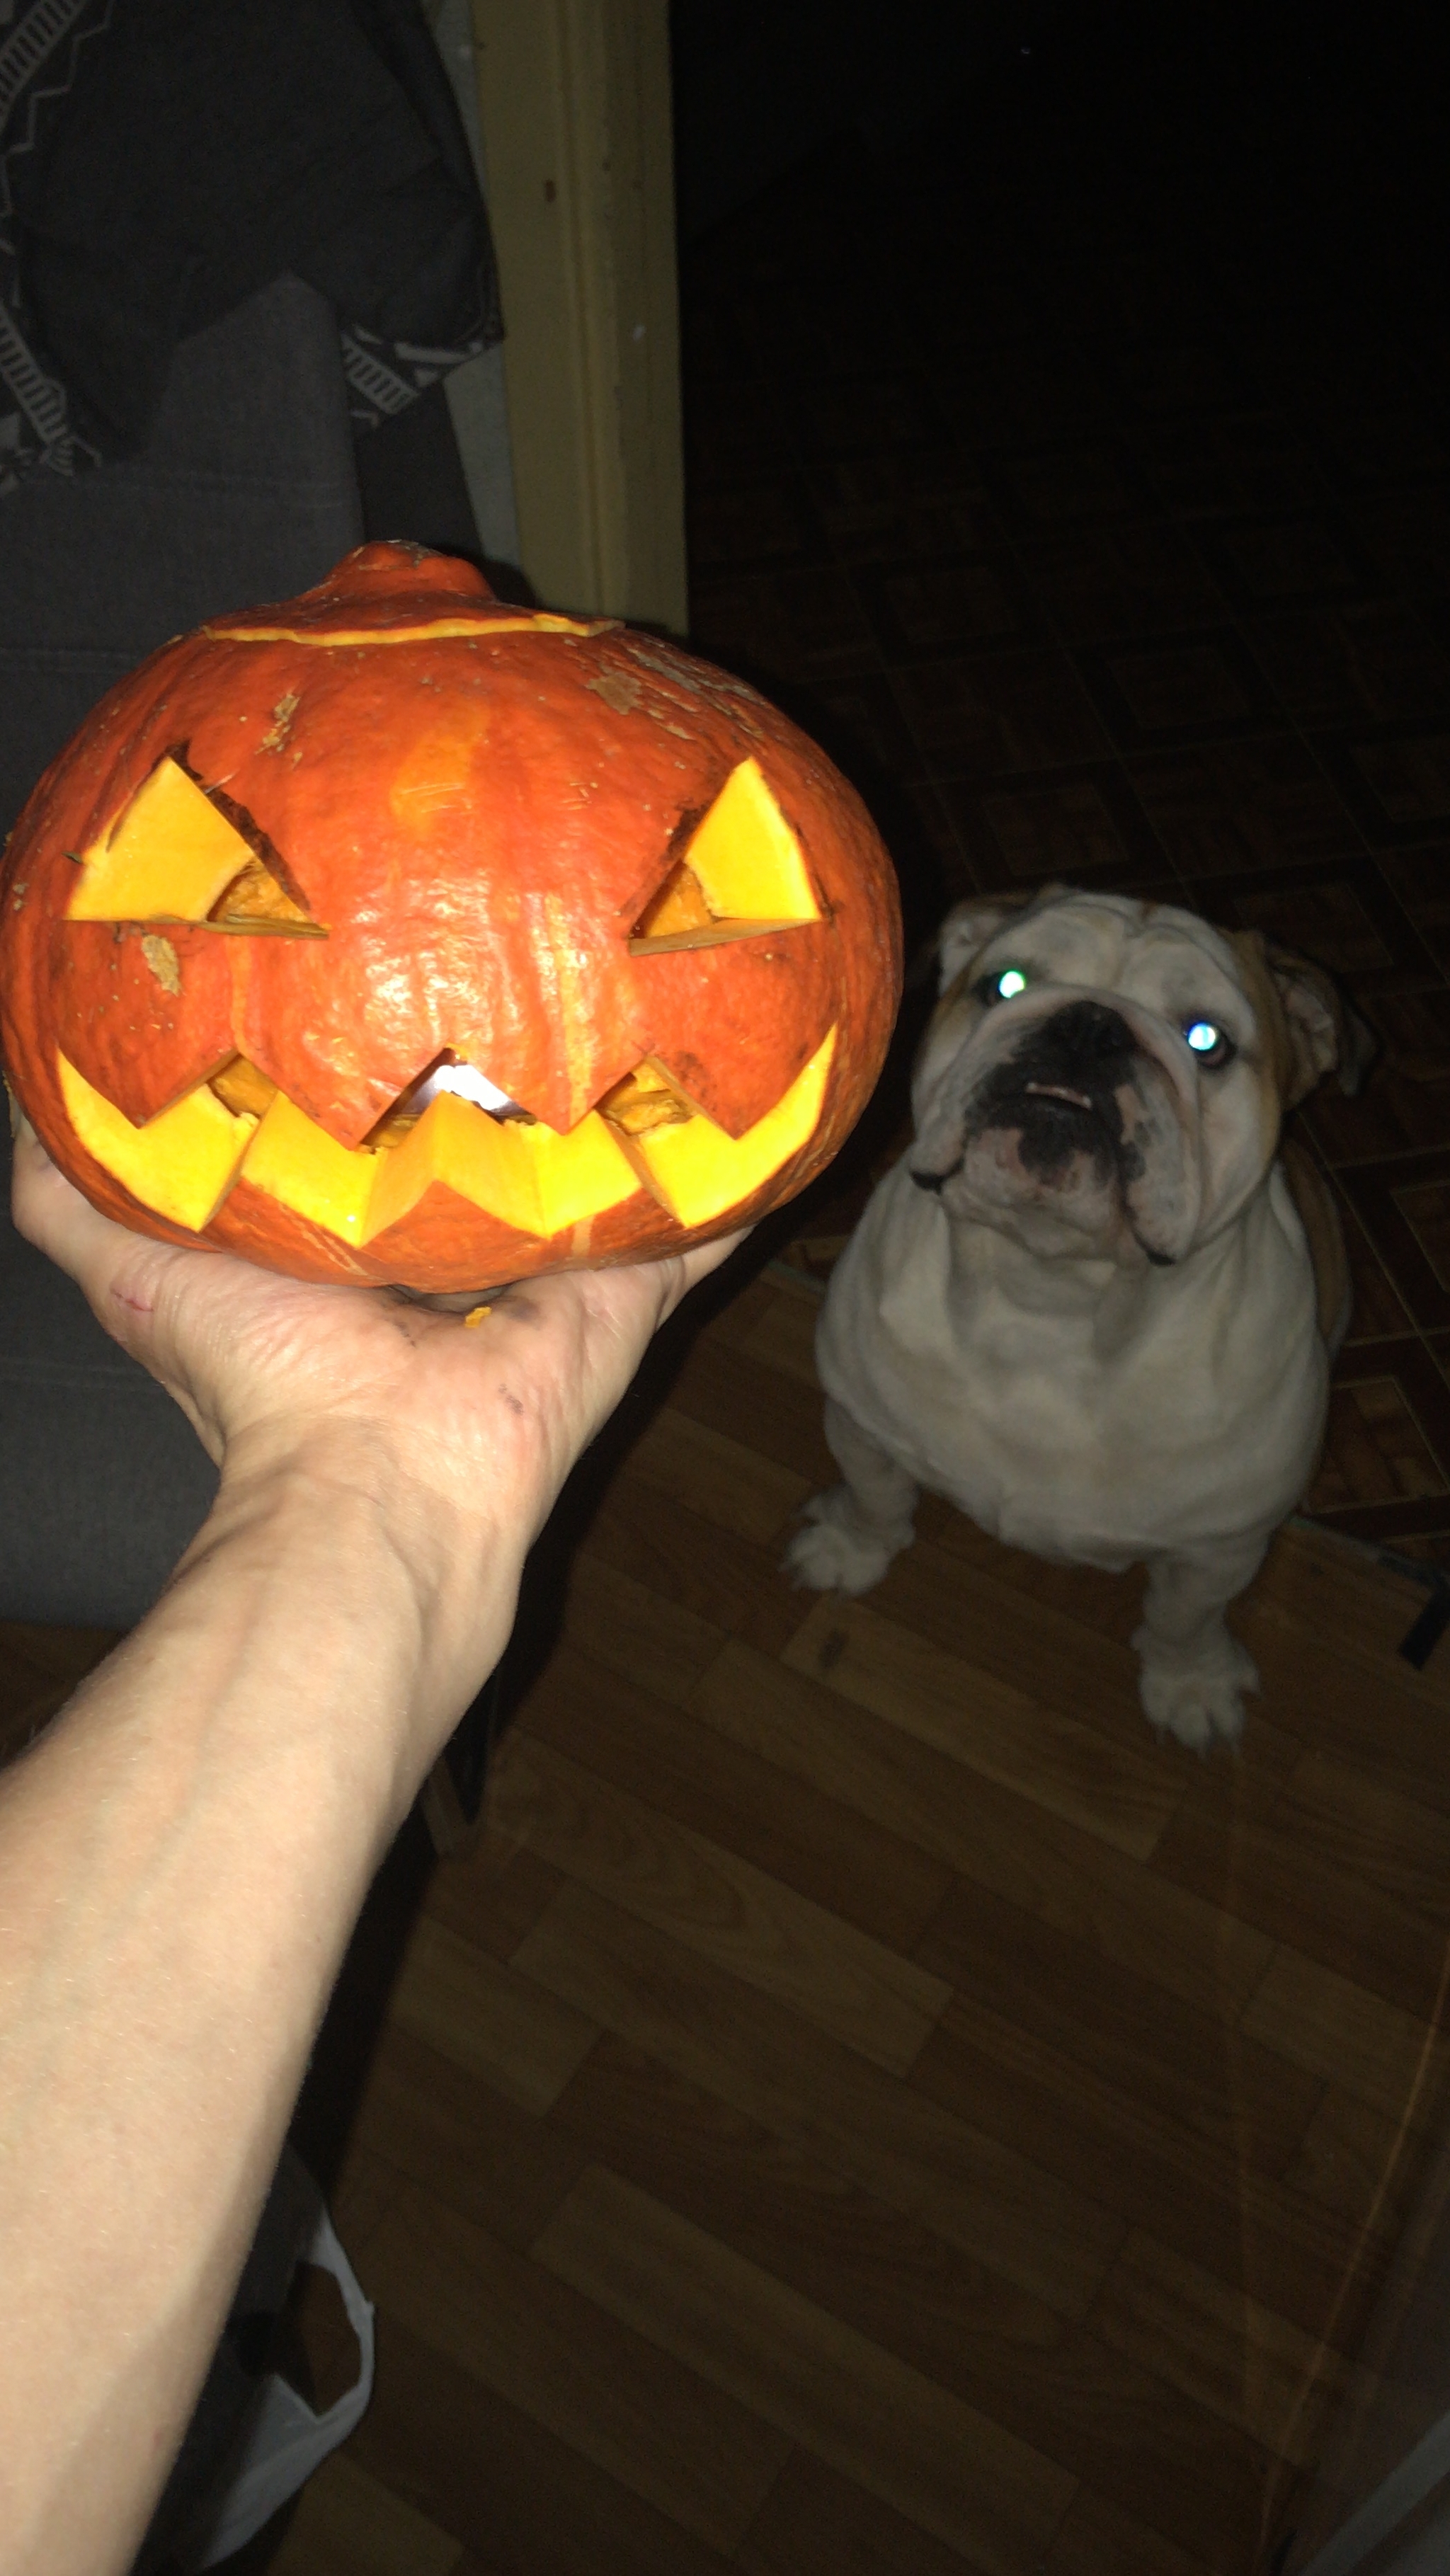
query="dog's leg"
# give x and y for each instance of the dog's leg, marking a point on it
(1193, 1671)
(857, 1527)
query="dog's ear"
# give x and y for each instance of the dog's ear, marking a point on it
(1325, 1034)
(969, 926)
(1322, 1033)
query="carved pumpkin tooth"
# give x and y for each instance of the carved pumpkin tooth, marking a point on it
(504, 942)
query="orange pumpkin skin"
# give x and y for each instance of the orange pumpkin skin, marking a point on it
(478, 806)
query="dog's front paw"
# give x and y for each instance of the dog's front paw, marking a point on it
(1199, 1702)
(837, 1551)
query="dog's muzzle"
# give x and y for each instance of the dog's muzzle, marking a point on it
(1059, 1088)
(1079, 1089)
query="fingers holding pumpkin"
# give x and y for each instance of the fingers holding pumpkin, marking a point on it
(52, 1214)
(120, 1274)
(570, 1343)
(242, 1350)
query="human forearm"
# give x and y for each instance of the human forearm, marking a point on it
(181, 1861)
(183, 1856)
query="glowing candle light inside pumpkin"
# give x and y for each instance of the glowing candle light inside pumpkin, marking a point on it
(466, 1083)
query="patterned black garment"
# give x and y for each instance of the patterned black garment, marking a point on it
(160, 161)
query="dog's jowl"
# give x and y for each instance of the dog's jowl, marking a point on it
(1096, 1304)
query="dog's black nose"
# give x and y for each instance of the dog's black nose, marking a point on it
(1087, 1035)
(935, 1180)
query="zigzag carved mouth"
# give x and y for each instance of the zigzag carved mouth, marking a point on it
(237, 1126)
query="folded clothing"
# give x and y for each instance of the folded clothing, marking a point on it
(159, 163)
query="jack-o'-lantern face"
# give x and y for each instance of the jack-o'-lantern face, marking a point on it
(393, 934)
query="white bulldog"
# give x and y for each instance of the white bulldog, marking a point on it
(1093, 1305)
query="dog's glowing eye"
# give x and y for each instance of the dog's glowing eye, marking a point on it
(1005, 985)
(1209, 1042)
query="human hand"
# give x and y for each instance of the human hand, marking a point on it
(461, 1428)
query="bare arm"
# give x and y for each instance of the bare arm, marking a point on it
(183, 1855)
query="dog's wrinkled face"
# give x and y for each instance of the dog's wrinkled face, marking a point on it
(1103, 1079)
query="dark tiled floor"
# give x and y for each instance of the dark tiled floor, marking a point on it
(1097, 518)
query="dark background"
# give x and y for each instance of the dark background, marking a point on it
(1065, 408)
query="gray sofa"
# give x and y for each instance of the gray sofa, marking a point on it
(246, 490)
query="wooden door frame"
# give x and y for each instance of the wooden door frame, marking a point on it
(574, 103)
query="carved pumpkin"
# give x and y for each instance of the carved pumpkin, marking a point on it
(394, 934)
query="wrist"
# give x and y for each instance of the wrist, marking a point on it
(336, 1540)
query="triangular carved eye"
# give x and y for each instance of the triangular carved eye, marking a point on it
(174, 853)
(742, 874)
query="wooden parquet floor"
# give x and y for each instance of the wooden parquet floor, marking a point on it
(861, 2107)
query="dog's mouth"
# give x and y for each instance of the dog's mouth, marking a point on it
(1060, 1091)
(1056, 1120)
(1054, 1110)
(1060, 1085)
(1079, 1120)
